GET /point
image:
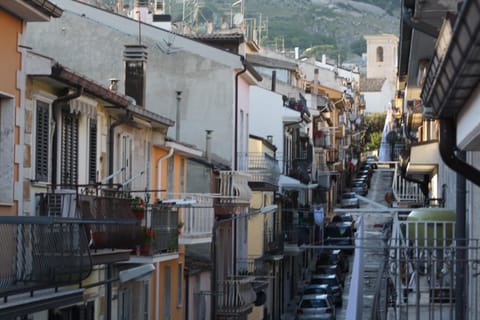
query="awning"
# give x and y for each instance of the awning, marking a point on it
(424, 159)
(39, 300)
(288, 183)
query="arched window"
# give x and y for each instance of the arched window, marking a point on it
(379, 54)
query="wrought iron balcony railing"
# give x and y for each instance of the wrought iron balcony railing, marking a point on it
(234, 189)
(273, 242)
(235, 298)
(332, 155)
(42, 252)
(298, 234)
(95, 206)
(155, 231)
(262, 167)
(256, 269)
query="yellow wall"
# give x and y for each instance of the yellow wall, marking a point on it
(12, 28)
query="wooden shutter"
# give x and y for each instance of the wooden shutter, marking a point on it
(92, 155)
(69, 161)
(42, 141)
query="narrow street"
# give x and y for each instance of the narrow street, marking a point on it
(373, 243)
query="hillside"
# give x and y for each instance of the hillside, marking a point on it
(333, 27)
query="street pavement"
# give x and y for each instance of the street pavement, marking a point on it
(373, 247)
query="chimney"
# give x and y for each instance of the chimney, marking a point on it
(135, 57)
(113, 85)
(208, 145)
(224, 24)
(297, 53)
(209, 27)
(274, 80)
(324, 59)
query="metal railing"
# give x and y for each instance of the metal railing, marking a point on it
(42, 252)
(261, 167)
(235, 297)
(273, 241)
(96, 207)
(423, 264)
(234, 188)
(406, 192)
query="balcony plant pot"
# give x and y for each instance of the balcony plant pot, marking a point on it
(146, 249)
(139, 213)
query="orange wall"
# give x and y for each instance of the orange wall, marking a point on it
(176, 312)
(10, 64)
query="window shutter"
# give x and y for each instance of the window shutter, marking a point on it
(69, 149)
(42, 141)
(92, 156)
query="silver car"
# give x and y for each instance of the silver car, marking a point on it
(349, 200)
(315, 306)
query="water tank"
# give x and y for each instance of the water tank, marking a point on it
(431, 226)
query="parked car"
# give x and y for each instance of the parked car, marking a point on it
(360, 187)
(336, 257)
(339, 234)
(364, 177)
(346, 217)
(349, 200)
(317, 289)
(315, 306)
(372, 160)
(331, 269)
(333, 282)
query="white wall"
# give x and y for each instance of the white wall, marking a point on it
(267, 114)
(207, 86)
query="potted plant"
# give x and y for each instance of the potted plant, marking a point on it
(137, 205)
(148, 236)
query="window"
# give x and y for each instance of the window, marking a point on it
(42, 141)
(379, 54)
(171, 173)
(7, 128)
(124, 304)
(166, 310)
(92, 154)
(126, 155)
(69, 155)
(179, 285)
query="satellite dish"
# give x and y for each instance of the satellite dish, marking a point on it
(237, 19)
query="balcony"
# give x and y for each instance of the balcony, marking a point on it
(235, 298)
(332, 156)
(273, 242)
(406, 194)
(255, 269)
(263, 170)
(113, 227)
(297, 235)
(44, 261)
(197, 216)
(234, 194)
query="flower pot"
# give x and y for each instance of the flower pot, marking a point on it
(139, 213)
(147, 249)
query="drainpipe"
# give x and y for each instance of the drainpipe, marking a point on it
(69, 96)
(455, 159)
(235, 166)
(235, 155)
(159, 172)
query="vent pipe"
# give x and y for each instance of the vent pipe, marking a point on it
(208, 151)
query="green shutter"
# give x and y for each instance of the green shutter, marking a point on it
(69, 162)
(42, 141)
(92, 155)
